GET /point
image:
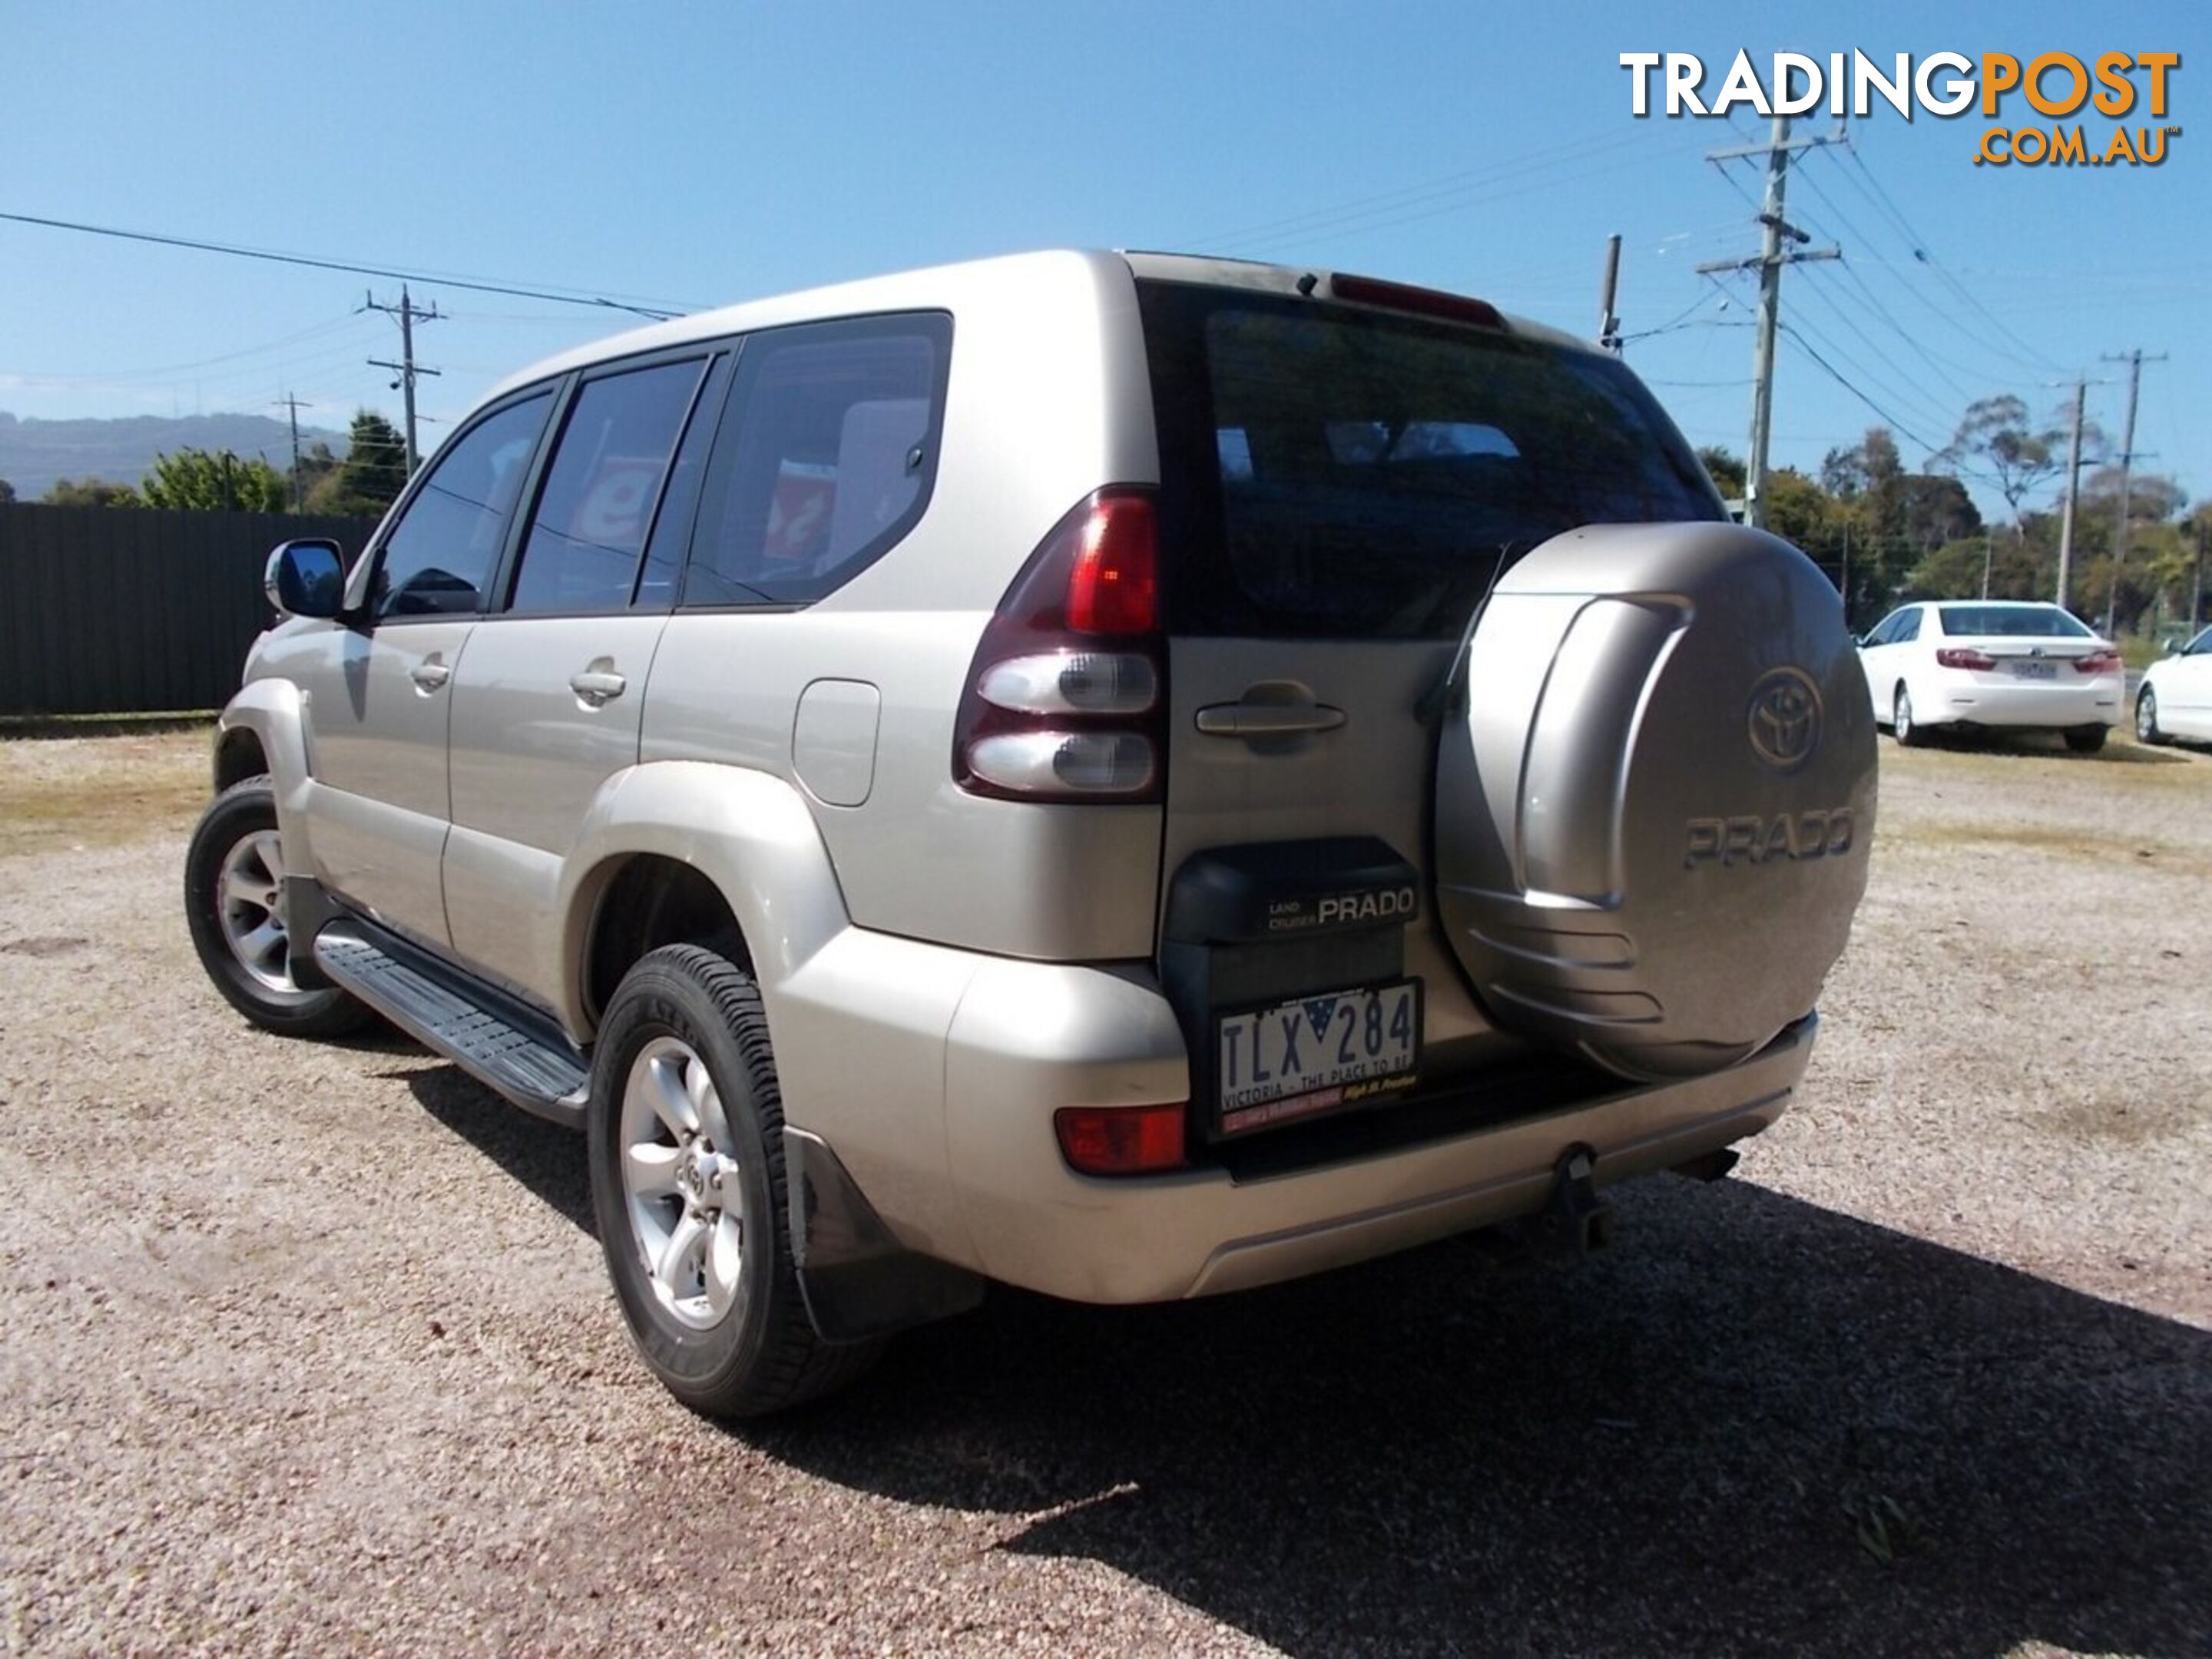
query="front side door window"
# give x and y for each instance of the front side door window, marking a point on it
(438, 559)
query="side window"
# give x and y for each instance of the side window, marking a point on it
(1884, 631)
(825, 459)
(445, 544)
(1908, 627)
(2200, 645)
(439, 556)
(602, 488)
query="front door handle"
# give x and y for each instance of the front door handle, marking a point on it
(597, 686)
(430, 673)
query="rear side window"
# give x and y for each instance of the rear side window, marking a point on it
(1908, 629)
(438, 557)
(1334, 472)
(1983, 621)
(602, 488)
(825, 459)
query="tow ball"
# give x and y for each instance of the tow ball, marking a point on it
(1574, 1221)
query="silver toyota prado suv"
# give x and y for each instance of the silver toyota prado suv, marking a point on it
(1128, 775)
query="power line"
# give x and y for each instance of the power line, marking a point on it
(1871, 187)
(657, 313)
(1835, 375)
(1409, 195)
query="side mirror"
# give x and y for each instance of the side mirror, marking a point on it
(306, 578)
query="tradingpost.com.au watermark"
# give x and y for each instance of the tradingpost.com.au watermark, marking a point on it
(2128, 89)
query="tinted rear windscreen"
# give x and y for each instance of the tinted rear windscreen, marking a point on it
(1983, 621)
(1333, 473)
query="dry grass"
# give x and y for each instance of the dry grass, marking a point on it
(66, 793)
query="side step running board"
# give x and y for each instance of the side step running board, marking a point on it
(507, 1047)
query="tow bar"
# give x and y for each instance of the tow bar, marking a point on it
(1574, 1221)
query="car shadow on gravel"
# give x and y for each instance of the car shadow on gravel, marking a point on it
(543, 1157)
(1756, 1426)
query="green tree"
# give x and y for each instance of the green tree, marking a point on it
(7, 492)
(316, 463)
(2154, 556)
(370, 477)
(1724, 469)
(91, 492)
(199, 481)
(2014, 456)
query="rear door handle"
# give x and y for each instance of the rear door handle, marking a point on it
(1261, 720)
(597, 686)
(429, 673)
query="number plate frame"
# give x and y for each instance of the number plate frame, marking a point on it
(1310, 1099)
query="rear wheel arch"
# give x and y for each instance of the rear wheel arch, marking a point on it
(744, 836)
(641, 901)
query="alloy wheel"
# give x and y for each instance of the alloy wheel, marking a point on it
(683, 1184)
(250, 908)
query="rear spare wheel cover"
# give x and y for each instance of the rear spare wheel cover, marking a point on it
(1656, 794)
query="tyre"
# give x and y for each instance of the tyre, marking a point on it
(1909, 735)
(2087, 740)
(234, 907)
(686, 1132)
(2147, 730)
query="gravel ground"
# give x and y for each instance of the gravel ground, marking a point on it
(310, 1348)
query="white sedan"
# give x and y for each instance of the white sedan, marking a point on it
(1976, 663)
(2175, 700)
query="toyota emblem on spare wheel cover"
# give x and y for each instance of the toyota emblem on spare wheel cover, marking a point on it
(1784, 719)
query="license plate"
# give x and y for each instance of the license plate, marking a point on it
(1315, 1053)
(2027, 668)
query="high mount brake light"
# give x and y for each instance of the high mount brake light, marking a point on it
(1066, 697)
(1422, 302)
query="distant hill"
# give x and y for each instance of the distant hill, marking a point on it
(33, 453)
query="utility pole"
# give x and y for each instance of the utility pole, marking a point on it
(2073, 493)
(1769, 264)
(2197, 582)
(2135, 360)
(407, 368)
(1608, 324)
(289, 402)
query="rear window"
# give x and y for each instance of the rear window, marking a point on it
(826, 458)
(1982, 621)
(1329, 472)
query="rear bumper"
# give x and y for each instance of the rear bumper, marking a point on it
(2035, 704)
(1031, 1037)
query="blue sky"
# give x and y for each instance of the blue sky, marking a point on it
(703, 154)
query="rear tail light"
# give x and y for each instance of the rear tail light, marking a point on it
(2097, 662)
(1066, 698)
(1954, 656)
(1112, 1141)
